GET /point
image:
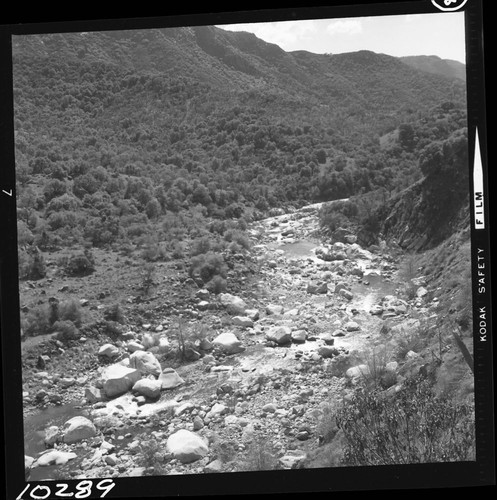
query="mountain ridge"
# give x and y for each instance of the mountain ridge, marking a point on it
(204, 51)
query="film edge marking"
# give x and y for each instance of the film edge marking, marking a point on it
(479, 208)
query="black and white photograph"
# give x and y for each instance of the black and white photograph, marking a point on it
(247, 249)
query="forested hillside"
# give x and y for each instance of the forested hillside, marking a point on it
(115, 130)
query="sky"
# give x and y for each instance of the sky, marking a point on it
(440, 34)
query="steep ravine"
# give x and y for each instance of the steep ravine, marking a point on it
(312, 314)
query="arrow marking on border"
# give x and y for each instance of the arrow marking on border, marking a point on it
(478, 186)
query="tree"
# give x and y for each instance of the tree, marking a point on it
(321, 156)
(54, 188)
(153, 209)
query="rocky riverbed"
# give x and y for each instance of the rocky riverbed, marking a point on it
(282, 348)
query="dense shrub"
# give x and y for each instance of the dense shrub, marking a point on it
(259, 455)
(79, 264)
(36, 321)
(238, 237)
(148, 271)
(24, 235)
(200, 246)
(151, 456)
(216, 285)
(66, 329)
(70, 310)
(31, 264)
(115, 313)
(206, 266)
(412, 426)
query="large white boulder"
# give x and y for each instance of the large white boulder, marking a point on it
(232, 303)
(54, 457)
(148, 340)
(118, 379)
(145, 362)
(77, 429)
(150, 388)
(243, 321)
(228, 343)
(275, 309)
(186, 446)
(169, 379)
(279, 334)
(109, 351)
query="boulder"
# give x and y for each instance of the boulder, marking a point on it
(217, 410)
(315, 288)
(357, 271)
(198, 423)
(243, 321)
(327, 351)
(291, 459)
(148, 340)
(118, 379)
(78, 428)
(54, 457)
(185, 407)
(203, 305)
(164, 345)
(93, 395)
(279, 334)
(228, 343)
(355, 250)
(145, 362)
(202, 294)
(352, 326)
(269, 408)
(28, 461)
(357, 371)
(340, 286)
(209, 359)
(186, 446)
(232, 303)
(150, 388)
(328, 338)
(214, 467)
(346, 294)
(108, 351)
(392, 366)
(205, 345)
(292, 312)
(394, 305)
(299, 336)
(52, 435)
(111, 460)
(133, 346)
(274, 309)
(67, 382)
(253, 314)
(169, 379)
(376, 310)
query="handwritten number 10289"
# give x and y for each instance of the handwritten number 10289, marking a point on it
(83, 489)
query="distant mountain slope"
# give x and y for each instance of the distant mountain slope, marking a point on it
(241, 61)
(436, 65)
